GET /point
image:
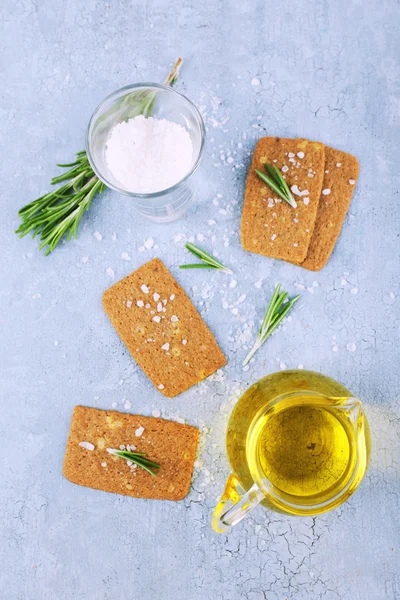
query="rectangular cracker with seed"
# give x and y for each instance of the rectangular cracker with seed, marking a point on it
(172, 445)
(162, 329)
(270, 226)
(341, 173)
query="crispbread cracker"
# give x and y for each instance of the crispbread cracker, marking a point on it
(269, 225)
(162, 329)
(171, 445)
(341, 173)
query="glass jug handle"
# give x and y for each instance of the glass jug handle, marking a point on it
(234, 504)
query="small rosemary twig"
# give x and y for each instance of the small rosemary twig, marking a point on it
(210, 262)
(277, 183)
(138, 458)
(274, 314)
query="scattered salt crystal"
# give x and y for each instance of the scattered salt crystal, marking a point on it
(335, 348)
(159, 307)
(147, 305)
(174, 319)
(351, 181)
(156, 413)
(113, 237)
(229, 160)
(85, 259)
(200, 237)
(98, 236)
(343, 282)
(110, 272)
(125, 256)
(354, 290)
(225, 305)
(129, 303)
(127, 404)
(295, 245)
(139, 431)
(326, 192)
(291, 155)
(242, 298)
(222, 211)
(157, 319)
(156, 296)
(122, 447)
(55, 342)
(103, 464)
(172, 297)
(297, 192)
(149, 243)
(351, 347)
(306, 201)
(86, 445)
(300, 154)
(180, 420)
(233, 283)
(211, 222)
(114, 404)
(300, 366)
(184, 342)
(338, 164)
(140, 303)
(285, 169)
(161, 386)
(165, 347)
(273, 237)
(144, 288)
(295, 220)
(246, 368)
(36, 296)
(235, 311)
(258, 284)
(255, 81)
(282, 365)
(310, 290)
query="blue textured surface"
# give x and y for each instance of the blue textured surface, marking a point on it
(323, 70)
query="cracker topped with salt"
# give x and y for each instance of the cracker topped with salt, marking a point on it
(162, 329)
(269, 225)
(94, 436)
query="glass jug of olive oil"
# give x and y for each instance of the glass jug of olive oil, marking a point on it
(298, 443)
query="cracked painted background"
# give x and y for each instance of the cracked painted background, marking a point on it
(324, 70)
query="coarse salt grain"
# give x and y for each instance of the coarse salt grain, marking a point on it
(184, 342)
(172, 297)
(149, 243)
(273, 237)
(156, 413)
(300, 154)
(140, 147)
(129, 303)
(161, 386)
(326, 192)
(110, 272)
(139, 431)
(140, 303)
(144, 289)
(125, 256)
(86, 445)
(157, 319)
(306, 201)
(98, 236)
(156, 296)
(351, 181)
(165, 347)
(174, 319)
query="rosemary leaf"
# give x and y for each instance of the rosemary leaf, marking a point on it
(138, 458)
(210, 262)
(276, 311)
(277, 183)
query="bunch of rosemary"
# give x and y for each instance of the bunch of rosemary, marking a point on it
(59, 212)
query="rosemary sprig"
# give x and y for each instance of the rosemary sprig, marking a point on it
(138, 458)
(209, 262)
(277, 184)
(59, 212)
(275, 313)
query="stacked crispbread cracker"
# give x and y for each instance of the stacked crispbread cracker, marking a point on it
(322, 181)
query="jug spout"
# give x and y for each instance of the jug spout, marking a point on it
(353, 409)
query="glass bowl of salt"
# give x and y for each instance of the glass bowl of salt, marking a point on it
(146, 141)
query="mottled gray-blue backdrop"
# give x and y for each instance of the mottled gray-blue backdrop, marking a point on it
(323, 70)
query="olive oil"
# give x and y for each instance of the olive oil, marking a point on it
(304, 450)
